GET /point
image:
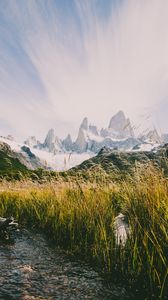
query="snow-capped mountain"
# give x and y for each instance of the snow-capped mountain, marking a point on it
(119, 127)
(118, 135)
(57, 154)
(87, 136)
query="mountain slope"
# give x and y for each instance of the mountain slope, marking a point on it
(24, 154)
(119, 164)
(10, 165)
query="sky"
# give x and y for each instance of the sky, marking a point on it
(62, 60)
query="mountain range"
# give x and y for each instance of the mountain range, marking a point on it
(118, 135)
(54, 153)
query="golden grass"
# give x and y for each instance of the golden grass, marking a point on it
(79, 218)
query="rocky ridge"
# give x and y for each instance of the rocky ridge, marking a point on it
(118, 135)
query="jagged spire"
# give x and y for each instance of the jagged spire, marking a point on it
(50, 137)
(84, 124)
(67, 143)
(52, 142)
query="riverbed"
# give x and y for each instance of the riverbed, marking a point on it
(30, 268)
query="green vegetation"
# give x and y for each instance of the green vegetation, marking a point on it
(77, 209)
(12, 169)
(79, 218)
(10, 166)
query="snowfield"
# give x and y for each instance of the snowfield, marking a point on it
(61, 161)
(58, 162)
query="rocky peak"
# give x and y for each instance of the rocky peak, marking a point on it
(120, 127)
(67, 143)
(52, 142)
(80, 144)
(86, 136)
(84, 124)
(117, 121)
(50, 137)
(81, 141)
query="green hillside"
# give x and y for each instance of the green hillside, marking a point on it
(10, 166)
(116, 164)
(106, 165)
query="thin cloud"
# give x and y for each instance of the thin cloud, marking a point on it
(81, 63)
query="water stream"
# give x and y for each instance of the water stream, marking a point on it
(31, 269)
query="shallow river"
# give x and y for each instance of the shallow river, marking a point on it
(31, 269)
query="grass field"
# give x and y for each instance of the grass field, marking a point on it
(79, 218)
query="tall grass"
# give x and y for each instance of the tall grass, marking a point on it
(79, 218)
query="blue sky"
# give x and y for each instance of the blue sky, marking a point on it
(63, 60)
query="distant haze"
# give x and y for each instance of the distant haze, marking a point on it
(63, 60)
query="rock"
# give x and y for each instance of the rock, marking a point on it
(52, 143)
(28, 151)
(84, 124)
(120, 127)
(118, 135)
(81, 144)
(67, 143)
(121, 230)
(104, 150)
(88, 138)
(29, 159)
(7, 222)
